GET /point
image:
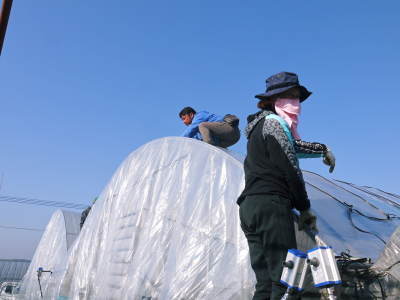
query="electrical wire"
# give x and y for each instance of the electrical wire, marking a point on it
(31, 201)
(20, 228)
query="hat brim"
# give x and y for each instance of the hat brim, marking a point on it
(304, 93)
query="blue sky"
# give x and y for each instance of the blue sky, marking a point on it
(84, 83)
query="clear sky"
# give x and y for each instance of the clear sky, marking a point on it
(84, 83)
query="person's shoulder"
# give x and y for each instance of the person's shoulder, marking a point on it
(271, 120)
(200, 115)
(272, 125)
(202, 112)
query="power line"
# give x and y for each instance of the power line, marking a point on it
(31, 201)
(20, 228)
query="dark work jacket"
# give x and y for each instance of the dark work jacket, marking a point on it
(270, 166)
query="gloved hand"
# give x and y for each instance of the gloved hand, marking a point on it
(330, 160)
(308, 220)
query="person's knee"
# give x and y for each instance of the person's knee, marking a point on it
(202, 126)
(206, 133)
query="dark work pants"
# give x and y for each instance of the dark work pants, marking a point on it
(267, 222)
(220, 134)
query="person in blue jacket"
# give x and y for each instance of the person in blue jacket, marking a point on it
(210, 128)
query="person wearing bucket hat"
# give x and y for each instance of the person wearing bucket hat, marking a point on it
(274, 183)
(285, 91)
(282, 82)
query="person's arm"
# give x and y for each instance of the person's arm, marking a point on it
(283, 154)
(191, 131)
(309, 150)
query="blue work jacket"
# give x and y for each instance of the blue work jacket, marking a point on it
(192, 131)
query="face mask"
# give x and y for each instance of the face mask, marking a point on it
(289, 110)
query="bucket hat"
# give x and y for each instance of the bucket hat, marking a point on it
(282, 82)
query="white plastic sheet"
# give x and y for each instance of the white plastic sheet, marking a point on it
(165, 227)
(51, 254)
(389, 260)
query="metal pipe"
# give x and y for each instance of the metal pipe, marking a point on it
(5, 14)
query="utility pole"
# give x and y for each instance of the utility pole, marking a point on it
(5, 14)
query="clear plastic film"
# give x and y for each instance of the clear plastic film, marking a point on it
(51, 254)
(350, 220)
(389, 260)
(167, 227)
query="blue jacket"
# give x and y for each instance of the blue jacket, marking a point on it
(192, 131)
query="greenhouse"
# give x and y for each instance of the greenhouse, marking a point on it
(166, 226)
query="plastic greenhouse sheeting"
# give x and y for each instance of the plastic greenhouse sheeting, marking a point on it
(350, 220)
(13, 269)
(389, 260)
(167, 227)
(51, 254)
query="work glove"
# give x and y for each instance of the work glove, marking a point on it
(308, 220)
(330, 160)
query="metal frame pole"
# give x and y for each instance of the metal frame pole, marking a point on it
(5, 14)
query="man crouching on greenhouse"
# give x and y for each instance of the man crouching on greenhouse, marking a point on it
(273, 185)
(210, 128)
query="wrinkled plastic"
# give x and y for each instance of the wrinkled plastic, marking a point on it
(389, 260)
(51, 254)
(13, 269)
(348, 220)
(167, 227)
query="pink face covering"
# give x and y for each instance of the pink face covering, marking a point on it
(289, 110)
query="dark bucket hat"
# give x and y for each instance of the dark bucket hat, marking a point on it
(282, 82)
